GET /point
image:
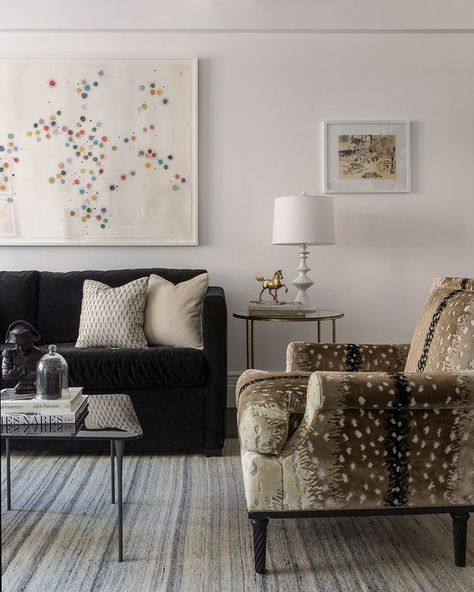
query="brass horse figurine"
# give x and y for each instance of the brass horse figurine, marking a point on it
(272, 285)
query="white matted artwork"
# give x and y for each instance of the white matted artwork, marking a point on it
(98, 152)
(366, 156)
(7, 218)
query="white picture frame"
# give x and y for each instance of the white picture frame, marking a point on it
(366, 156)
(157, 206)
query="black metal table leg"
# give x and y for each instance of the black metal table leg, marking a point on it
(112, 470)
(119, 448)
(9, 485)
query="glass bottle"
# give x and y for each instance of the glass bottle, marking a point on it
(52, 376)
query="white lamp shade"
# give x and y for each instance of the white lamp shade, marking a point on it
(305, 219)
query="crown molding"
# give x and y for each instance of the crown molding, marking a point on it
(243, 31)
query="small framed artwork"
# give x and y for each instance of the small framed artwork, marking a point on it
(366, 156)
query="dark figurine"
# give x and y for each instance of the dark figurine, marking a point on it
(20, 357)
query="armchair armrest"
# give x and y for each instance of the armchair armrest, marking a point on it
(392, 390)
(266, 405)
(214, 333)
(366, 395)
(350, 357)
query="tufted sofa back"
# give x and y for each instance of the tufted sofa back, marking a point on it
(51, 301)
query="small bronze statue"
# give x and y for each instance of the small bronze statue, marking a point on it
(272, 286)
(19, 361)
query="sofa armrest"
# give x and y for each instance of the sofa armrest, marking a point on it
(349, 357)
(266, 402)
(214, 332)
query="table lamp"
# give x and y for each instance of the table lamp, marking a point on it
(303, 220)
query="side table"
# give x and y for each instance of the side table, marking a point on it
(313, 316)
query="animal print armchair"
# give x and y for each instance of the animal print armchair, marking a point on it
(366, 429)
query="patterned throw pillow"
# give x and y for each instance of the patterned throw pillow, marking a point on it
(444, 336)
(113, 317)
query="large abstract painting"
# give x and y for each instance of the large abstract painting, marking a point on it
(98, 152)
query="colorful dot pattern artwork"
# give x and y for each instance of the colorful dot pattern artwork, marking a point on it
(84, 87)
(5, 172)
(152, 91)
(81, 174)
(9, 147)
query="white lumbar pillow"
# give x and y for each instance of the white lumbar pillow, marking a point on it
(173, 312)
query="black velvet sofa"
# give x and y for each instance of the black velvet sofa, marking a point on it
(179, 394)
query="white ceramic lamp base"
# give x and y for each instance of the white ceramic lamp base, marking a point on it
(302, 282)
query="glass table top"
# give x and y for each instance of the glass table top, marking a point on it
(307, 315)
(106, 417)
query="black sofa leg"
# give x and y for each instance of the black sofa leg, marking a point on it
(460, 537)
(259, 527)
(210, 452)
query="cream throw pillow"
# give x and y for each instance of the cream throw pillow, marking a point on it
(173, 312)
(112, 317)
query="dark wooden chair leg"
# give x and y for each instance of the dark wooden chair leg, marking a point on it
(460, 537)
(259, 527)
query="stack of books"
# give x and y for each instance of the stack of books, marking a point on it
(26, 410)
(284, 310)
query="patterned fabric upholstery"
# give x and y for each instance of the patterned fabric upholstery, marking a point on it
(112, 411)
(270, 407)
(372, 435)
(372, 440)
(345, 356)
(113, 317)
(444, 335)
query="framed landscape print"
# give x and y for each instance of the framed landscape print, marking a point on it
(98, 152)
(366, 156)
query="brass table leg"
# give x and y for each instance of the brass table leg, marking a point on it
(249, 333)
(334, 330)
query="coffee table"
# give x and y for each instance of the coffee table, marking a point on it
(107, 417)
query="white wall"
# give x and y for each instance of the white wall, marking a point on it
(263, 98)
(238, 14)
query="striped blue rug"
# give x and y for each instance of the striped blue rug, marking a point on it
(186, 530)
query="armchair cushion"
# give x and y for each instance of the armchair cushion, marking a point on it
(270, 406)
(348, 357)
(367, 440)
(375, 440)
(444, 335)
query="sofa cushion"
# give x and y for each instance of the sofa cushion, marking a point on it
(159, 366)
(444, 335)
(60, 296)
(18, 298)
